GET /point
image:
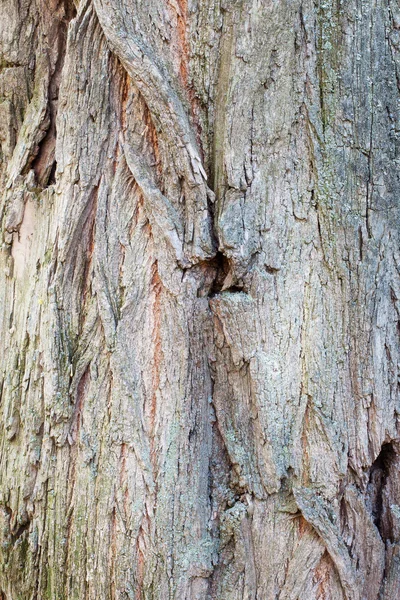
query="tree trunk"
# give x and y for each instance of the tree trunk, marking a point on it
(200, 300)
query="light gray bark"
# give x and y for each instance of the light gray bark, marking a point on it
(200, 300)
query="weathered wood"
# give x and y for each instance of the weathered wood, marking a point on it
(199, 383)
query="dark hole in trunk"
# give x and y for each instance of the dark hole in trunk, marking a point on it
(378, 480)
(223, 267)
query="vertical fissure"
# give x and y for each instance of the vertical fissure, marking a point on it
(44, 164)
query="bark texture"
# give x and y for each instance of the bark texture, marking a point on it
(200, 300)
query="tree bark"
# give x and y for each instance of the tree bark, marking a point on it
(200, 300)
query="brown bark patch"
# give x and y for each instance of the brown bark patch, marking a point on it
(90, 234)
(157, 356)
(304, 444)
(123, 477)
(183, 41)
(322, 577)
(182, 52)
(152, 142)
(113, 553)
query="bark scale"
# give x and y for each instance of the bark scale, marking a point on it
(200, 300)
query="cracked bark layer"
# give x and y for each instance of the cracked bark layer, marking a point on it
(200, 300)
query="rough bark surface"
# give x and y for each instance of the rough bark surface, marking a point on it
(200, 300)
